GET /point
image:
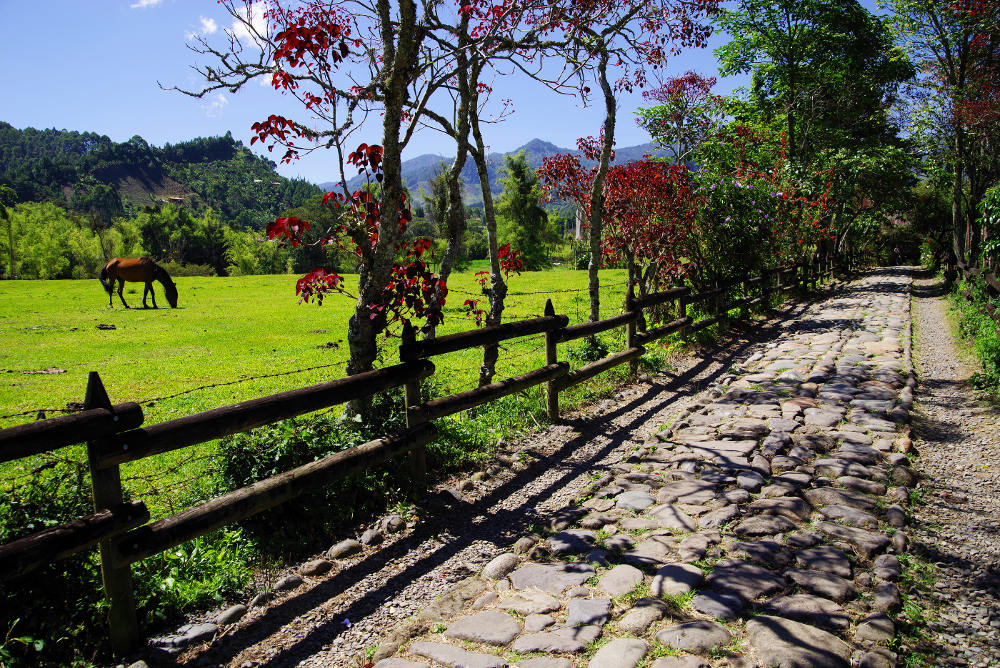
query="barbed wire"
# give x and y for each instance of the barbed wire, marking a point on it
(243, 380)
(603, 286)
(76, 408)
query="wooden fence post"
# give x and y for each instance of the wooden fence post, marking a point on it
(551, 357)
(107, 493)
(685, 331)
(630, 328)
(411, 397)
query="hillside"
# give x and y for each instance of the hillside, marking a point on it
(69, 167)
(421, 169)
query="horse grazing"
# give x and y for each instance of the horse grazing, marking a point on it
(141, 270)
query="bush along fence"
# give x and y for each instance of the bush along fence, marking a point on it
(114, 433)
(990, 285)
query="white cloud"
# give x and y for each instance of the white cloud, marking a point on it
(214, 106)
(255, 17)
(143, 4)
(208, 27)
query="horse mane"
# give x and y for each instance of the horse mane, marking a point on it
(159, 273)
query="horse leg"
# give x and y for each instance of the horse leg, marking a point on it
(151, 291)
(121, 286)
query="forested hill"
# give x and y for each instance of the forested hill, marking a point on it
(84, 170)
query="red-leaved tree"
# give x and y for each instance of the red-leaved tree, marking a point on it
(650, 211)
(412, 291)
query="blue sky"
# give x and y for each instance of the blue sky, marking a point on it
(94, 66)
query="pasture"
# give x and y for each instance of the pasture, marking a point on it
(231, 339)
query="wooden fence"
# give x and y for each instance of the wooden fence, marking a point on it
(114, 433)
(988, 282)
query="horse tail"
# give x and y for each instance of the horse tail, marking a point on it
(103, 278)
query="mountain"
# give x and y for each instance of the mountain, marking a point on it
(421, 169)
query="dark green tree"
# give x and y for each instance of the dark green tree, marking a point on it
(523, 223)
(8, 198)
(828, 70)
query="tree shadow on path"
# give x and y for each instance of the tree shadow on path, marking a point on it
(457, 524)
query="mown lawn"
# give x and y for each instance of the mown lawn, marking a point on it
(230, 340)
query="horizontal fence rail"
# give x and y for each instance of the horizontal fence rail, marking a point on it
(227, 420)
(22, 556)
(46, 435)
(115, 434)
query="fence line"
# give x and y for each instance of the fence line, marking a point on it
(115, 433)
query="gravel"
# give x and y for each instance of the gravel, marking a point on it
(958, 529)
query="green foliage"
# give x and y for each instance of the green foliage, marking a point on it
(63, 602)
(588, 349)
(216, 173)
(989, 218)
(978, 328)
(273, 449)
(521, 221)
(60, 601)
(201, 573)
(827, 67)
(48, 243)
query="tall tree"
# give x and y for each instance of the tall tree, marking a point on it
(613, 45)
(341, 61)
(820, 65)
(523, 221)
(8, 198)
(956, 45)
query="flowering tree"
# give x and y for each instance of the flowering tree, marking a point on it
(412, 291)
(686, 115)
(343, 61)
(595, 40)
(649, 211)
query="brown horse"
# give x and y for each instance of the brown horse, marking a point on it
(141, 270)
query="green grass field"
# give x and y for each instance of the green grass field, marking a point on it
(230, 340)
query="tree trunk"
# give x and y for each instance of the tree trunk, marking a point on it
(597, 190)
(957, 223)
(497, 291)
(399, 48)
(455, 214)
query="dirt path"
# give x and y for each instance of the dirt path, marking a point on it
(331, 620)
(958, 527)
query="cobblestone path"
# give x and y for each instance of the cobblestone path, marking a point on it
(762, 527)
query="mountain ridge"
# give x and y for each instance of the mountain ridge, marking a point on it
(417, 171)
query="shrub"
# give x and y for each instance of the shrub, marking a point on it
(282, 446)
(176, 269)
(56, 615)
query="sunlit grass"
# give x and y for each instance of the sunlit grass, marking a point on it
(236, 339)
